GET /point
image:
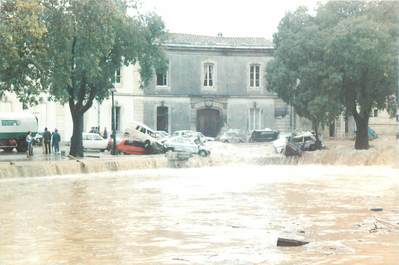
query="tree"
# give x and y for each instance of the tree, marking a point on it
(91, 40)
(21, 49)
(86, 42)
(298, 73)
(345, 58)
(361, 49)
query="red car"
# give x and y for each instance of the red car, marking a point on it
(129, 147)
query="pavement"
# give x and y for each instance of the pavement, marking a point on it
(39, 155)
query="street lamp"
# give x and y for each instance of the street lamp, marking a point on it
(113, 150)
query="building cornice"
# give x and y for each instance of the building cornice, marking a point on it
(205, 48)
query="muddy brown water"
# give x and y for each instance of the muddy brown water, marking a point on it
(225, 215)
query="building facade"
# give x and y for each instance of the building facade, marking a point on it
(212, 83)
(54, 115)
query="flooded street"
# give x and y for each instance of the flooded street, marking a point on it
(224, 215)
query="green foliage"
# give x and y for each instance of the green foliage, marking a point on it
(22, 50)
(298, 73)
(346, 58)
(71, 49)
(92, 40)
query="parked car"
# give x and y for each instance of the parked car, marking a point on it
(232, 136)
(94, 141)
(142, 133)
(130, 147)
(186, 144)
(206, 138)
(161, 134)
(280, 144)
(193, 134)
(118, 138)
(266, 135)
(184, 133)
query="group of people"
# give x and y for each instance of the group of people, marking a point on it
(50, 141)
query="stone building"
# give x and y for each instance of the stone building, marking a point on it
(54, 115)
(212, 83)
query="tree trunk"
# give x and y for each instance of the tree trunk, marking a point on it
(362, 136)
(76, 139)
(315, 126)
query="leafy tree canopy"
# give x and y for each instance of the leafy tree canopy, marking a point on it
(22, 50)
(345, 58)
(73, 48)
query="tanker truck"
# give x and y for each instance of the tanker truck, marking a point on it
(14, 127)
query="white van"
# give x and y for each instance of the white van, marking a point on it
(14, 127)
(140, 132)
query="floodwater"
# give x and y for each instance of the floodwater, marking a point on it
(225, 215)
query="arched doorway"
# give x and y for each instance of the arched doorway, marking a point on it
(208, 122)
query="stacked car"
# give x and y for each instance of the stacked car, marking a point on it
(294, 144)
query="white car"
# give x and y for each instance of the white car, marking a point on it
(185, 144)
(193, 134)
(94, 141)
(142, 133)
(281, 142)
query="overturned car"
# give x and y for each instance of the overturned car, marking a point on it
(295, 144)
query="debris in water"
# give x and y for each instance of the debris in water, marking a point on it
(180, 259)
(374, 229)
(376, 209)
(284, 242)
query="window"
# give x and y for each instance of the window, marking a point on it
(118, 76)
(10, 123)
(162, 79)
(254, 75)
(208, 74)
(255, 119)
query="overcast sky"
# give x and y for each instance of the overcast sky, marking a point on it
(245, 18)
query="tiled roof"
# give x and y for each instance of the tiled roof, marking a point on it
(180, 39)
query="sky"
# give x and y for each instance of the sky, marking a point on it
(232, 18)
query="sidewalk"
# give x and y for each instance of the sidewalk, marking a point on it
(38, 155)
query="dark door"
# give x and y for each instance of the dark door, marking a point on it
(162, 119)
(208, 122)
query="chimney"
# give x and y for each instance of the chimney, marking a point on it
(220, 34)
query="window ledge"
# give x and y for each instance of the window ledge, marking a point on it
(163, 87)
(209, 88)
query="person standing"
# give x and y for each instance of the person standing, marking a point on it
(105, 133)
(56, 141)
(47, 141)
(29, 142)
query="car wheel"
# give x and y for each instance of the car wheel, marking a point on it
(169, 149)
(225, 141)
(202, 153)
(147, 144)
(8, 149)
